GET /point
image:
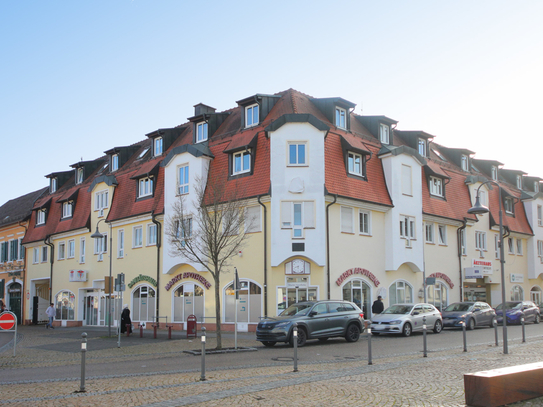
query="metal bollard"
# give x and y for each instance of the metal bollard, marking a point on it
(495, 323)
(169, 332)
(295, 344)
(203, 370)
(424, 336)
(141, 330)
(154, 329)
(464, 335)
(368, 325)
(83, 352)
(522, 320)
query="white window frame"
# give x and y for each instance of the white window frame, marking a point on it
(346, 220)
(364, 222)
(341, 118)
(463, 242)
(384, 133)
(519, 247)
(183, 179)
(180, 233)
(540, 250)
(519, 182)
(288, 220)
(61, 254)
(35, 255)
(536, 186)
(79, 175)
(158, 146)
(82, 250)
(250, 115)
(53, 185)
(464, 160)
(44, 254)
(429, 232)
(21, 249)
(151, 234)
(120, 243)
(137, 237)
(442, 234)
(408, 227)
(422, 147)
(480, 241)
(494, 173)
(436, 186)
(240, 155)
(145, 187)
(539, 215)
(201, 132)
(508, 205)
(100, 246)
(510, 246)
(351, 159)
(253, 216)
(70, 253)
(114, 162)
(40, 217)
(296, 156)
(67, 209)
(101, 200)
(407, 180)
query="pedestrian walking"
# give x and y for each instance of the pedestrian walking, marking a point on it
(377, 306)
(51, 312)
(126, 322)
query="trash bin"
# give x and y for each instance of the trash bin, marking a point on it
(191, 326)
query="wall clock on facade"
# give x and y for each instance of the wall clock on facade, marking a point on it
(298, 267)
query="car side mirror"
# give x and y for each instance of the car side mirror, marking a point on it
(415, 313)
(312, 313)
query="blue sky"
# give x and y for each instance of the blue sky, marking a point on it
(81, 77)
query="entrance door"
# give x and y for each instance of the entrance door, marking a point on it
(14, 291)
(91, 309)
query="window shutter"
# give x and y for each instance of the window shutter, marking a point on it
(309, 214)
(286, 215)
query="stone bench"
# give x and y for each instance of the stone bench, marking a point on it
(498, 387)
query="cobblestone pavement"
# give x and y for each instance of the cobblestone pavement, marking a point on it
(407, 380)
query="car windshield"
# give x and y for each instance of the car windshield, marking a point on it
(296, 309)
(510, 305)
(398, 309)
(459, 307)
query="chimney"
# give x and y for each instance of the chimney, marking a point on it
(200, 109)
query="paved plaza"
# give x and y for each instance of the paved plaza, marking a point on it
(46, 372)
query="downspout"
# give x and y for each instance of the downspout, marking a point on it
(328, 244)
(265, 256)
(459, 240)
(47, 241)
(23, 277)
(158, 245)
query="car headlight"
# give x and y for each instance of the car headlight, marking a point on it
(282, 324)
(395, 322)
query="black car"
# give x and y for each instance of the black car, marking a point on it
(316, 320)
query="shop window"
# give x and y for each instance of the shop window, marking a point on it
(250, 294)
(359, 292)
(144, 304)
(517, 293)
(535, 295)
(437, 295)
(297, 289)
(65, 306)
(188, 299)
(400, 292)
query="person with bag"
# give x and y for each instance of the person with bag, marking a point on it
(126, 322)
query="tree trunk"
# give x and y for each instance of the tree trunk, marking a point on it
(218, 308)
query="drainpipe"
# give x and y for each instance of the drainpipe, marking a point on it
(47, 241)
(265, 256)
(23, 277)
(158, 245)
(459, 240)
(328, 244)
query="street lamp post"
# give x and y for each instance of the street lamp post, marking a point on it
(479, 209)
(98, 235)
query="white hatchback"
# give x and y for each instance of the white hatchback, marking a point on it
(407, 318)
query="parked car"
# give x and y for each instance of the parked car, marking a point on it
(470, 313)
(316, 320)
(514, 310)
(406, 318)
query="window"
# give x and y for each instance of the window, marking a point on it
(21, 249)
(422, 147)
(79, 176)
(67, 209)
(364, 222)
(510, 247)
(519, 247)
(536, 186)
(297, 216)
(201, 132)
(61, 251)
(347, 215)
(482, 198)
(384, 135)
(436, 295)
(82, 250)
(519, 182)
(101, 201)
(120, 243)
(517, 293)
(145, 187)
(429, 232)
(13, 250)
(100, 246)
(151, 234)
(400, 292)
(158, 144)
(251, 115)
(44, 254)
(65, 306)
(71, 249)
(137, 238)
(341, 118)
(406, 180)
(53, 185)
(442, 234)
(143, 304)
(494, 172)
(183, 180)
(508, 205)
(407, 227)
(540, 249)
(40, 217)
(142, 154)
(356, 164)
(4, 247)
(463, 243)
(480, 241)
(497, 246)
(183, 230)
(241, 162)
(464, 162)
(36, 255)
(436, 186)
(296, 154)
(114, 162)
(539, 215)
(253, 222)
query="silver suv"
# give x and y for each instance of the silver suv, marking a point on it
(316, 320)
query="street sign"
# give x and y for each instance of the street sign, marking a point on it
(7, 321)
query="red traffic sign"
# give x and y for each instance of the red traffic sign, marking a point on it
(7, 321)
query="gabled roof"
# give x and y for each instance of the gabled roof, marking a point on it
(19, 209)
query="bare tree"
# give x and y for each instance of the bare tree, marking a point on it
(210, 230)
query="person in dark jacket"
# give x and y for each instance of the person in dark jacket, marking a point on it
(126, 322)
(377, 306)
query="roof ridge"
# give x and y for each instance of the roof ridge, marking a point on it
(294, 107)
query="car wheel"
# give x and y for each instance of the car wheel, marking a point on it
(268, 344)
(302, 338)
(406, 331)
(471, 324)
(537, 319)
(323, 339)
(492, 322)
(353, 333)
(438, 327)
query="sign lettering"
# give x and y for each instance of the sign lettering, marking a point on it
(185, 275)
(361, 271)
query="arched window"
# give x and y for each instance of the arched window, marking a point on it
(437, 295)
(535, 294)
(517, 293)
(65, 306)
(188, 299)
(249, 304)
(144, 304)
(359, 292)
(400, 292)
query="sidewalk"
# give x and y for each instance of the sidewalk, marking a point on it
(408, 380)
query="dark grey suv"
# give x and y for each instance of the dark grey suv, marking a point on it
(316, 320)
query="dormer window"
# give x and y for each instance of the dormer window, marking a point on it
(67, 209)
(494, 173)
(114, 162)
(536, 186)
(422, 147)
(519, 182)
(508, 205)
(201, 132)
(251, 115)
(40, 217)
(436, 186)
(384, 134)
(53, 185)
(79, 176)
(145, 187)
(464, 162)
(241, 162)
(341, 118)
(158, 144)
(355, 164)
